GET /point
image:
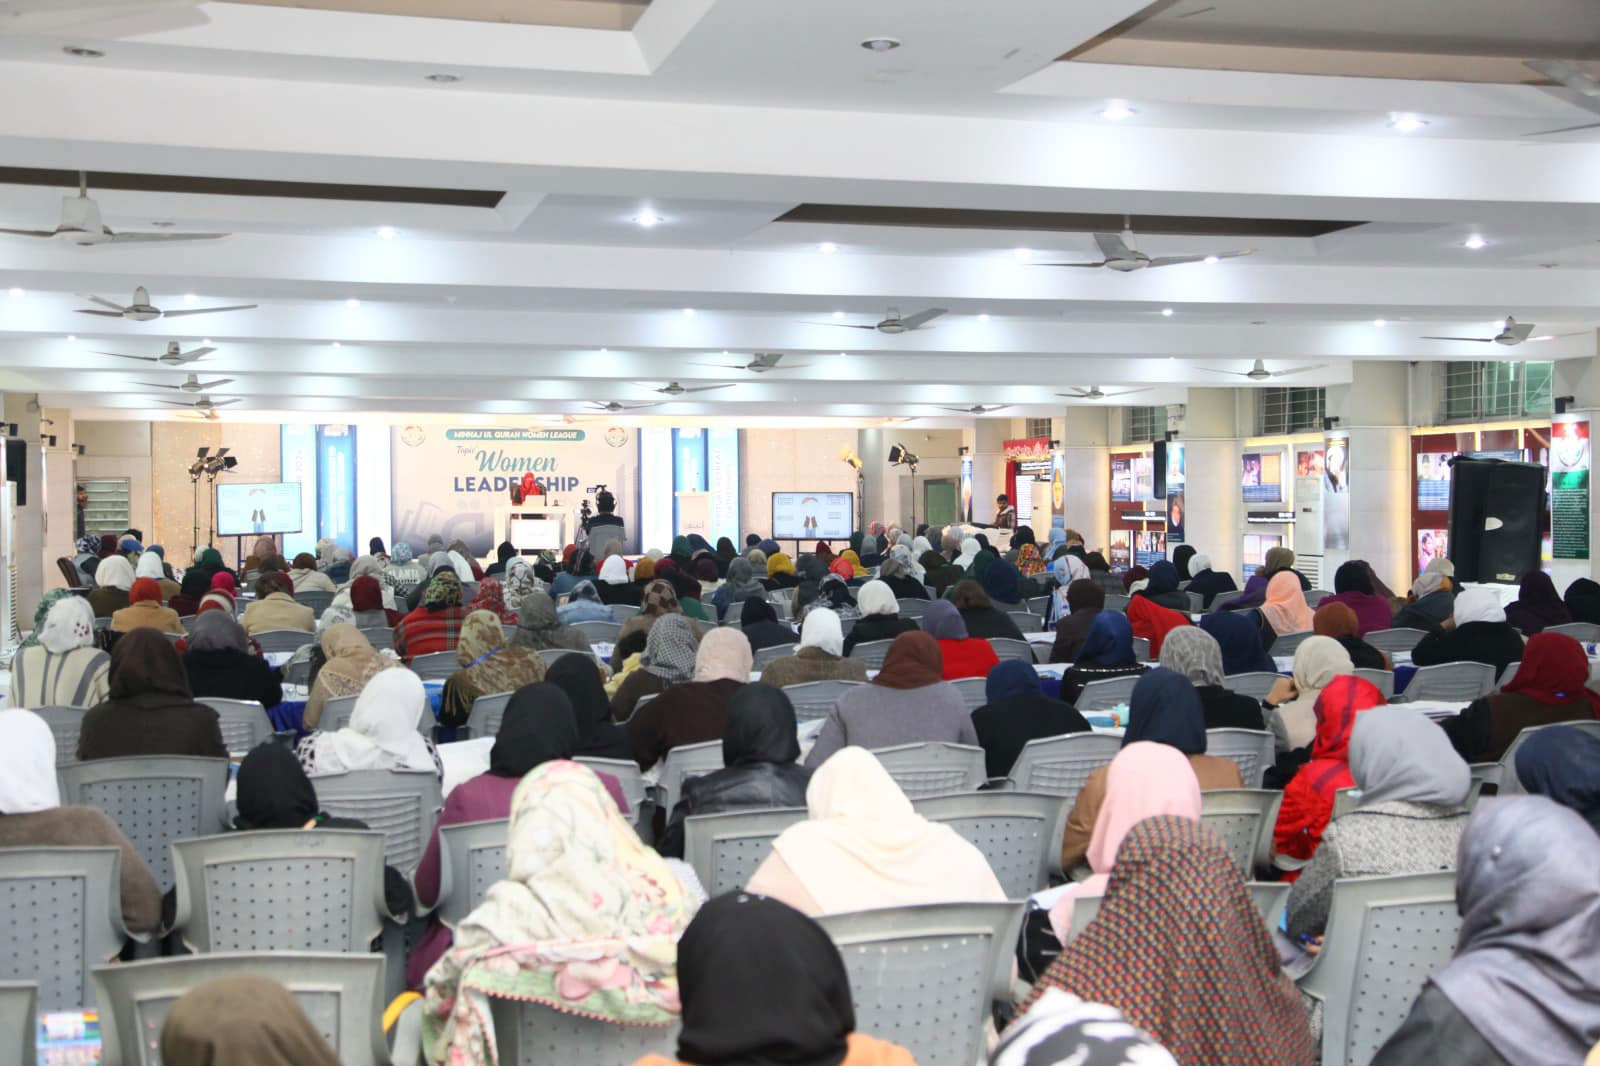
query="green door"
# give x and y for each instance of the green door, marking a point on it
(939, 503)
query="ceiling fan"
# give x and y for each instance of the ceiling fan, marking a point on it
(203, 404)
(142, 310)
(1121, 255)
(1511, 334)
(614, 407)
(976, 409)
(45, 16)
(81, 224)
(672, 388)
(1259, 371)
(190, 384)
(1565, 74)
(173, 356)
(207, 415)
(893, 323)
(760, 364)
(1093, 392)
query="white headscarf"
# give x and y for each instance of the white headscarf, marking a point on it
(920, 547)
(1478, 605)
(150, 566)
(28, 761)
(614, 571)
(1199, 563)
(382, 734)
(68, 624)
(969, 551)
(876, 597)
(114, 572)
(462, 568)
(822, 630)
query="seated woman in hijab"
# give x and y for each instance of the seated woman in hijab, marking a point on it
(760, 749)
(1284, 611)
(62, 668)
(31, 814)
(219, 663)
(584, 605)
(1085, 600)
(1164, 708)
(149, 709)
(539, 726)
(367, 603)
(864, 847)
(614, 585)
(144, 609)
(191, 590)
(1015, 711)
(1292, 702)
(275, 608)
(1476, 632)
(151, 566)
(382, 734)
(819, 657)
(1583, 601)
(780, 571)
(1206, 582)
(880, 617)
(962, 654)
(1163, 588)
(539, 627)
(1107, 652)
(1151, 621)
(241, 1018)
(1563, 763)
(740, 586)
(1412, 810)
(1005, 585)
(1338, 621)
(436, 624)
(896, 572)
(1352, 586)
(1308, 799)
(906, 703)
(598, 736)
(758, 621)
(1195, 654)
(490, 597)
(1240, 641)
(669, 659)
(1522, 986)
(349, 662)
(306, 577)
(1429, 604)
(1551, 685)
(978, 611)
(586, 921)
(1175, 926)
(696, 711)
(1538, 606)
(112, 580)
(488, 667)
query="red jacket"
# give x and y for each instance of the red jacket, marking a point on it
(967, 658)
(1153, 622)
(1308, 799)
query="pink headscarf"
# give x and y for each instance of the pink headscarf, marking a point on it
(222, 581)
(1285, 607)
(1144, 780)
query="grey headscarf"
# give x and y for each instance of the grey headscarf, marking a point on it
(436, 543)
(539, 627)
(1398, 754)
(217, 631)
(869, 544)
(742, 584)
(1526, 973)
(584, 590)
(669, 650)
(1194, 653)
(521, 580)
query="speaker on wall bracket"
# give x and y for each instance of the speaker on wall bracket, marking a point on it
(1496, 509)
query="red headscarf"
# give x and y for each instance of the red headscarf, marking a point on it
(210, 605)
(491, 598)
(108, 545)
(146, 588)
(823, 552)
(222, 581)
(842, 567)
(366, 594)
(1137, 573)
(1308, 799)
(1554, 671)
(1153, 622)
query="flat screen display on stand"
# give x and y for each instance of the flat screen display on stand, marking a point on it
(248, 510)
(813, 515)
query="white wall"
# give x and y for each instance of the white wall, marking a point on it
(1085, 444)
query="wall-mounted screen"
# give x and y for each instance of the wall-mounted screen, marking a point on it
(243, 510)
(1122, 480)
(813, 515)
(1261, 477)
(1433, 480)
(1149, 548)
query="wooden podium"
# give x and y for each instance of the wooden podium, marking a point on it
(694, 514)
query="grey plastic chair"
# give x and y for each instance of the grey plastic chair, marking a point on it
(599, 632)
(1197, 602)
(1507, 674)
(682, 763)
(19, 1020)
(871, 653)
(1393, 640)
(1505, 775)
(815, 699)
(472, 858)
(1019, 833)
(550, 655)
(1252, 750)
(1345, 800)
(65, 723)
(244, 723)
(379, 637)
(155, 799)
(173, 638)
(341, 993)
(1007, 648)
(280, 890)
(336, 713)
(318, 601)
(924, 977)
(1450, 681)
(1025, 619)
(1385, 937)
(1270, 898)
(733, 620)
(403, 805)
(913, 608)
(1383, 679)
(1316, 596)
(1106, 694)
(1288, 643)
(628, 775)
(283, 640)
(187, 621)
(641, 701)
(1117, 603)
(972, 691)
(1038, 606)
(933, 768)
(531, 1034)
(623, 611)
(1058, 766)
(297, 671)
(1582, 632)
(436, 665)
(1141, 649)
(1244, 819)
(484, 718)
(725, 849)
(1255, 684)
(63, 916)
(774, 653)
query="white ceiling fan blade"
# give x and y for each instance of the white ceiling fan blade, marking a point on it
(208, 310)
(177, 403)
(158, 238)
(119, 355)
(1127, 392)
(841, 325)
(1475, 340)
(103, 314)
(224, 403)
(1520, 330)
(1213, 370)
(707, 388)
(731, 366)
(922, 318)
(195, 354)
(29, 232)
(215, 384)
(1297, 370)
(1553, 336)
(1559, 70)
(157, 385)
(102, 301)
(1176, 260)
(1090, 265)
(1079, 395)
(1112, 246)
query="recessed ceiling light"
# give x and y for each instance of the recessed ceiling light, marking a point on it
(83, 53)
(72, 338)
(190, 298)
(352, 302)
(1380, 322)
(827, 247)
(1022, 255)
(388, 233)
(605, 351)
(1166, 312)
(837, 315)
(841, 355)
(444, 79)
(647, 218)
(338, 344)
(1212, 260)
(1475, 242)
(1116, 111)
(1405, 122)
(983, 317)
(15, 294)
(205, 340)
(688, 312)
(880, 44)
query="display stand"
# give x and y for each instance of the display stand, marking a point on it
(540, 523)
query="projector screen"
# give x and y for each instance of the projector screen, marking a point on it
(813, 515)
(243, 510)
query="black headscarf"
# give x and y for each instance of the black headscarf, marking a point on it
(1180, 559)
(1023, 535)
(761, 727)
(1083, 595)
(143, 662)
(787, 1004)
(579, 677)
(725, 549)
(273, 790)
(1583, 600)
(1166, 709)
(375, 547)
(1163, 579)
(1563, 763)
(506, 550)
(755, 609)
(538, 726)
(196, 583)
(1096, 563)
(1353, 577)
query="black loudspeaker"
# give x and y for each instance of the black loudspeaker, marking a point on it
(17, 468)
(1158, 459)
(1495, 512)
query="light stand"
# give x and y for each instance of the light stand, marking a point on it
(900, 455)
(196, 468)
(852, 460)
(221, 463)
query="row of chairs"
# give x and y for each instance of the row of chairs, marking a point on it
(1464, 682)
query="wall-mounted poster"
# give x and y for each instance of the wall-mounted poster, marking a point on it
(1121, 548)
(1336, 493)
(1433, 480)
(1144, 478)
(1431, 544)
(1175, 478)
(1569, 489)
(1149, 548)
(1122, 480)
(1308, 474)
(1261, 477)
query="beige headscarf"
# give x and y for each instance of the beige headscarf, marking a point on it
(1317, 661)
(351, 663)
(724, 654)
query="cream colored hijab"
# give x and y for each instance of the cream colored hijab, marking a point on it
(724, 655)
(1317, 661)
(865, 847)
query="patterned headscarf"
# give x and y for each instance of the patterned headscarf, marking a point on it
(669, 651)
(443, 591)
(488, 664)
(68, 624)
(46, 601)
(402, 553)
(660, 599)
(490, 599)
(1062, 1028)
(1194, 653)
(1029, 561)
(520, 580)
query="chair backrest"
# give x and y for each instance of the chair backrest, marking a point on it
(187, 621)
(733, 619)
(1345, 800)
(235, 890)
(1009, 648)
(65, 723)
(628, 775)
(316, 599)
(1197, 602)
(297, 671)
(69, 572)
(1255, 684)
(725, 849)
(1141, 649)
(1117, 603)
(436, 665)
(623, 611)
(682, 763)
(1385, 937)
(1506, 777)
(155, 799)
(281, 640)
(19, 1020)
(1108, 693)
(872, 652)
(933, 768)
(1383, 679)
(641, 701)
(1316, 596)
(1582, 632)
(1393, 640)
(244, 723)
(814, 699)
(1244, 818)
(774, 653)
(1451, 681)
(484, 718)
(1019, 833)
(403, 805)
(1038, 606)
(913, 608)
(173, 638)
(1058, 766)
(972, 691)
(1287, 643)
(599, 632)
(911, 965)
(380, 637)
(472, 858)
(1508, 674)
(340, 992)
(62, 917)
(1270, 897)
(336, 713)
(550, 655)
(1025, 619)
(532, 1033)
(1250, 749)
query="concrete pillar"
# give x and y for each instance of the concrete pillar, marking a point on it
(988, 465)
(26, 580)
(1085, 437)
(881, 499)
(1580, 379)
(1213, 503)
(1373, 408)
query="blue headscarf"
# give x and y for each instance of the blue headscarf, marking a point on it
(1563, 763)
(941, 621)
(1163, 578)
(1240, 640)
(1166, 709)
(1010, 679)
(1003, 582)
(161, 552)
(1109, 643)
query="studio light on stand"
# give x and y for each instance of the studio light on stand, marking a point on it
(900, 455)
(196, 468)
(853, 461)
(220, 463)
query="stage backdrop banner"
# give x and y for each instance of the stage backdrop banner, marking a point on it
(336, 485)
(454, 480)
